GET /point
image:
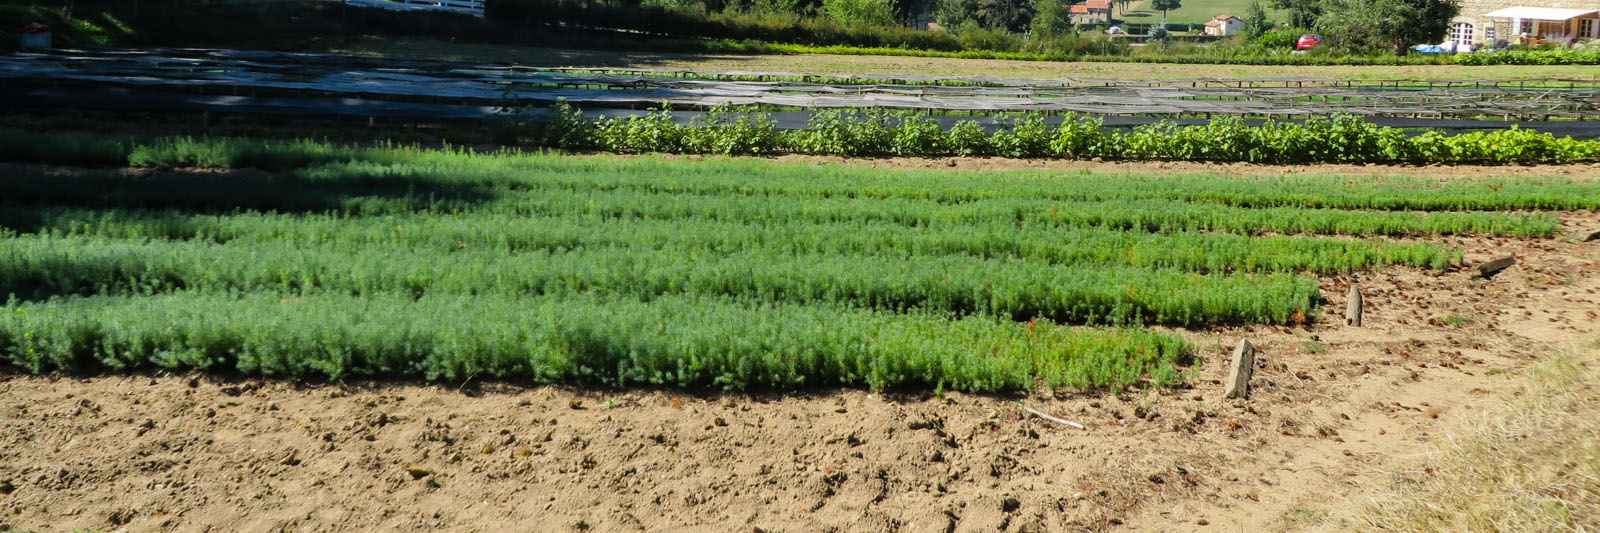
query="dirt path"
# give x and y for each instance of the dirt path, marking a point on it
(1443, 358)
(1330, 408)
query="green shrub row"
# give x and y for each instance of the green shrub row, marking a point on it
(1530, 57)
(1342, 139)
(875, 133)
(672, 341)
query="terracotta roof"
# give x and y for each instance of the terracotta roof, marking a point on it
(1098, 4)
(1223, 17)
(1213, 23)
(1079, 9)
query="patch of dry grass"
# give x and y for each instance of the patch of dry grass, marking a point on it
(1529, 462)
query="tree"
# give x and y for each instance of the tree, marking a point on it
(1256, 22)
(1164, 6)
(952, 13)
(1123, 4)
(1302, 13)
(1394, 25)
(1158, 33)
(1005, 15)
(1050, 18)
(860, 12)
(909, 12)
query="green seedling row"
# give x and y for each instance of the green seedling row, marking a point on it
(670, 341)
(1192, 251)
(1018, 289)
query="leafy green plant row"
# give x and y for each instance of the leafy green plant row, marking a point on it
(33, 267)
(1342, 139)
(672, 341)
(1191, 251)
(1531, 57)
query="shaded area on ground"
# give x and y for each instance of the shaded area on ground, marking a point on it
(124, 99)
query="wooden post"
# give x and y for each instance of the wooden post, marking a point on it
(1489, 269)
(1244, 363)
(1352, 309)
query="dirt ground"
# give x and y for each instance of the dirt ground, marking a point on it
(1331, 406)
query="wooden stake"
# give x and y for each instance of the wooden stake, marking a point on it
(1489, 269)
(1352, 309)
(1244, 363)
(1062, 421)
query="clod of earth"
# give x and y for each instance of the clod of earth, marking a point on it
(1010, 505)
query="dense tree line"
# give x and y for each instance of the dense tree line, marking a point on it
(1350, 26)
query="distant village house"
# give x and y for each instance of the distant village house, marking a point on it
(1224, 25)
(1091, 12)
(1487, 22)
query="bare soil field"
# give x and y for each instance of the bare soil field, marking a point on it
(861, 65)
(1331, 407)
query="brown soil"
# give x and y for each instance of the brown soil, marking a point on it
(1330, 406)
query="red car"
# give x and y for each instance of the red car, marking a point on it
(1308, 41)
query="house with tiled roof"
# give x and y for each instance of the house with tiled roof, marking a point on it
(1091, 12)
(1224, 25)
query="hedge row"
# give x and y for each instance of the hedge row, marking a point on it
(1342, 139)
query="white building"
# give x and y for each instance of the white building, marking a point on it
(1224, 25)
(1485, 22)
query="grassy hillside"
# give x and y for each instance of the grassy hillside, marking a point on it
(1195, 11)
